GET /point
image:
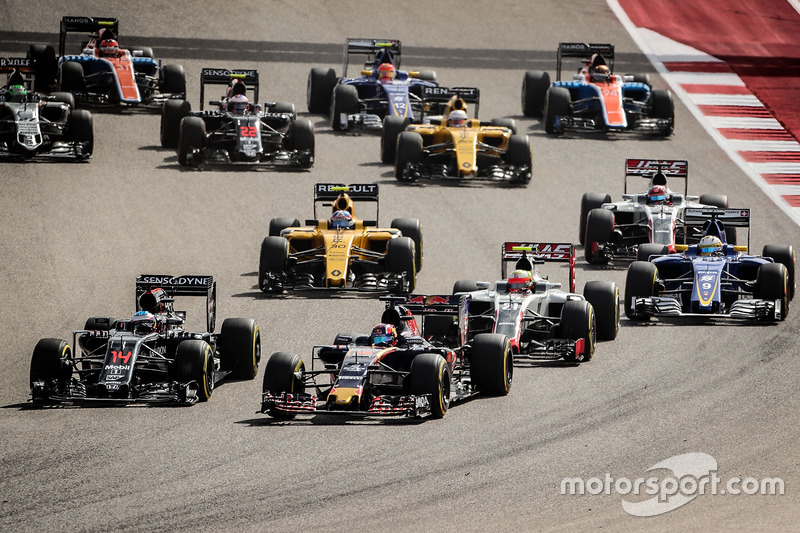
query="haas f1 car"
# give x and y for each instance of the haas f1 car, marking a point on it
(597, 100)
(32, 124)
(342, 252)
(382, 90)
(237, 130)
(149, 358)
(402, 373)
(644, 223)
(103, 73)
(713, 279)
(542, 321)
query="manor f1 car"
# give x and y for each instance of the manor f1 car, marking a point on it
(382, 89)
(342, 252)
(149, 358)
(103, 74)
(407, 375)
(645, 223)
(237, 130)
(596, 99)
(33, 124)
(713, 279)
(453, 145)
(542, 321)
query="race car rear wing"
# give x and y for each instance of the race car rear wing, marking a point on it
(538, 252)
(387, 49)
(698, 217)
(224, 76)
(327, 193)
(185, 285)
(435, 98)
(584, 51)
(657, 171)
(22, 65)
(440, 305)
(84, 24)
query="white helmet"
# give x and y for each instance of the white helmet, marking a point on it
(457, 117)
(709, 245)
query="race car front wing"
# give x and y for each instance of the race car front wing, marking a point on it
(743, 309)
(303, 403)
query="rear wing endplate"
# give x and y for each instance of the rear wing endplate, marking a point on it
(539, 251)
(84, 24)
(584, 51)
(224, 76)
(185, 285)
(658, 171)
(370, 48)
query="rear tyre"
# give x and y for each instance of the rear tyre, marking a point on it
(194, 363)
(604, 297)
(491, 364)
(589, 201)
(400, 259)
(535, 84)
(783, 254)
(284, 107)
(192, 137)
(599, 227)
(276, 225)
(642, 78)
(644, 251)
(321, 82)
(240, 346)
(465, 285)
(427, 75)
(99, 323)
(70, 77)
(772, 283)
(172, 113)
(45, 67)
(520, 155)
(64, 98)
(578, 322)
(81, 130)
(173, 80)
(508, 123)
(274, 258)
(430, 375)
(392, 127)
(345, 102)
(411, 227)
(640, 282)
(557, 104)
(281, 376)
(51, 363)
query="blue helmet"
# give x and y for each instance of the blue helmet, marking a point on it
(143, 322)
(342, 220)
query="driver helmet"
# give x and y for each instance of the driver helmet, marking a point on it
(143, 323)
(386, 72)
(342, 220)
(601, 73)
(457, 118)
(17, 93)
(383, 335)
(709, 245)
(238, 104)
(656, 194)
(109, 48)
(520, 280)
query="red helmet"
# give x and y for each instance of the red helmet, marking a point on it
(384, 335)
(109, 48)
(657, 193)
(386, 72)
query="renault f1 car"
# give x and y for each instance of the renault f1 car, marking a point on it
(541, 320)
(356, 255)
(149, 358)
(713, 279)
(463, 149)
(32, 124)
(596, 99)
(363, 102)
(641, 225)
(411, 377)
(103, 74)
(237, 130)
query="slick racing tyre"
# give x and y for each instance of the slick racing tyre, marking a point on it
(81, 130)
(599, 227)
(578, 322)
(604, 297)
(284, 107)
(64, 98)
(410, 227)
(520, 155)
(301, 138)
(772, 283)
(430, 375)
(45, 67)
(273, 259)
(172, 113)
(281, 376)
(345, 102)
(589, 201)
(465, 285)
(240, 347)
(645, 250)
(400, 260)
(663, 107)
(321, 82)
(640, 282)
(70, 77)
(192, 137)
(173, 80)
(491, 364)
(276, 225)
(783, 254)
(557, 104)
(508, 123)
(194, 363)
(409, 152)
(392, 127)
(535, 84)
(50, 363)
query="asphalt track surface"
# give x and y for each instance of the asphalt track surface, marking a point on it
(74, 237)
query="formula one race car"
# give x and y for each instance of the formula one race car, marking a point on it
(395, 371)
(713, 279)
(238, 130)
(149, 358)
(645, 223)
(456, 146)
(382, 90)
(103, 73)
(33, 124)
(597, 99)
(343, 252)
(542, 321)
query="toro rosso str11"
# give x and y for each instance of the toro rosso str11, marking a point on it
(405, 376)
(596, 99)
(542, 321)
(713, 279)
(381, 90)
(342, 252)
(237, 130)
(149, 358)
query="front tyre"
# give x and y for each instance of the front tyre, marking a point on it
(283, 374)
(194, 363)
(578, 322)
(430, 376)
(491, 364)
(640, 282)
